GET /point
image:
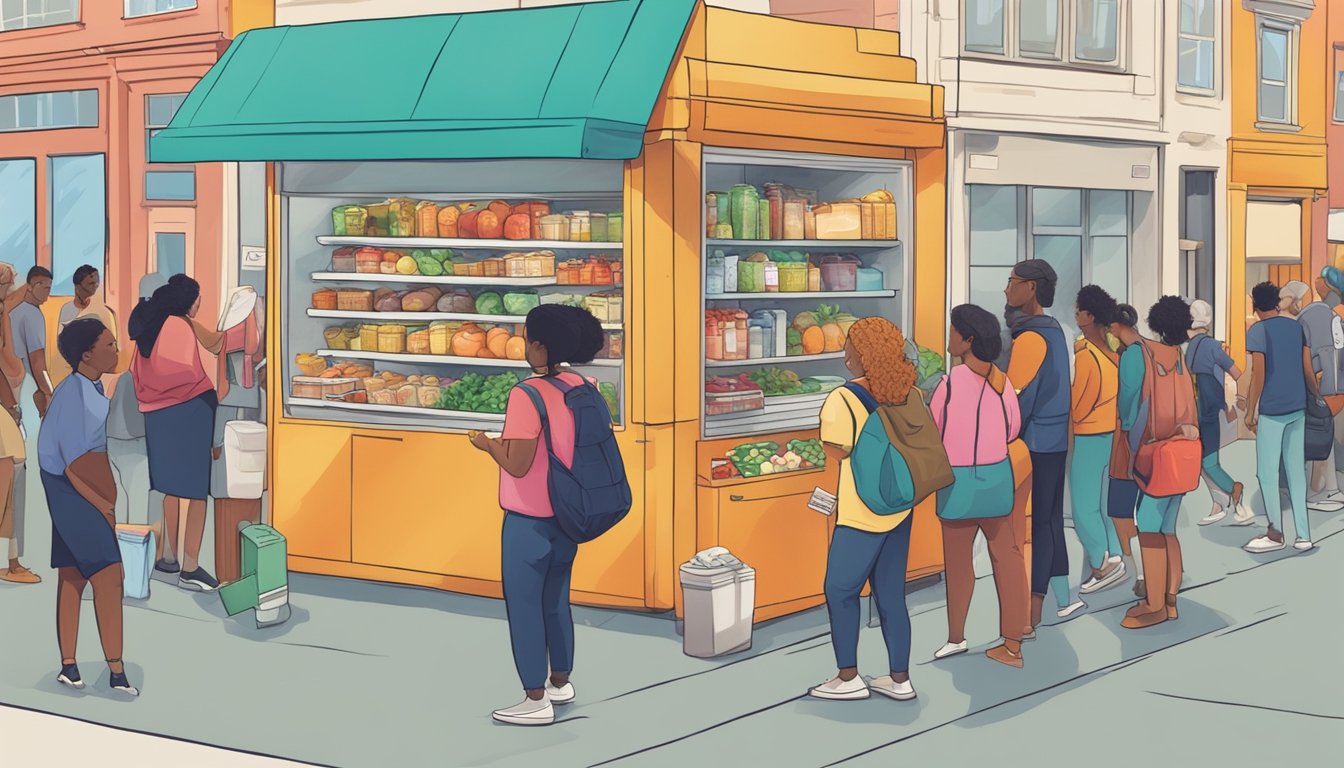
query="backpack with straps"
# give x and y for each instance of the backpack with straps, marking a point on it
(1168, 454)
(898, 459)
(980, 491)
(592, 495)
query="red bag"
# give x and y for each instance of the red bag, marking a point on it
(1167, 461)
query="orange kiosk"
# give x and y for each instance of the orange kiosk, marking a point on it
(802, 114)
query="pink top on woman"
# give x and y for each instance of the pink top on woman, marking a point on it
(968, 389)
(173, 372)
(530, 495)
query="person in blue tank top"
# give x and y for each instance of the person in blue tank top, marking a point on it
(1038, 366)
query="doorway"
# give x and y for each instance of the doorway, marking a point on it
(1197, 232)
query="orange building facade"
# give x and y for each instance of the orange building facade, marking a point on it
(1334, 136)
(82, 87)
(1277, 197)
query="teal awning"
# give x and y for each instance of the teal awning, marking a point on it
(574, 81)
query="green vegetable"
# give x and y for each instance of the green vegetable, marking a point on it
(478, 394)
(520, 302)
(776, 381)
(795, 338)
(429, 266)
(489, 303)
(608, 391)
(441, 255)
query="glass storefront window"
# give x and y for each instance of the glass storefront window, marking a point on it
(18, 227)
(78, 220)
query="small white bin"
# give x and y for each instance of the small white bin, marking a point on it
(719, 605)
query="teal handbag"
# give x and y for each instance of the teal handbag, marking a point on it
(977, 492)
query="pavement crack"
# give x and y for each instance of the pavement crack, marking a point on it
(332, 648)
(1240, 627)
(1260, 707)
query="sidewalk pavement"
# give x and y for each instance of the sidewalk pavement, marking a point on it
(369, 674)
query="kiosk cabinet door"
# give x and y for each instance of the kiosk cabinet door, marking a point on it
(770, 528)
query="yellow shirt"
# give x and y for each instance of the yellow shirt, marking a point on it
(842, 417)
(1096, 387)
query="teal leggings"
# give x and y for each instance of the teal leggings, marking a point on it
(1215, 475)
(1158, 515)
(1282, 440)
(1087, 488)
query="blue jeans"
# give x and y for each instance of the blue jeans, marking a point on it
(538, 560)
(1281, 440)
(879, 559)
(1087, 482)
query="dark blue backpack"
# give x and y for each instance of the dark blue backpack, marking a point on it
(593, 495)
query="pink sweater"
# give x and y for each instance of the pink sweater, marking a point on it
(173, 372)
(957, 420)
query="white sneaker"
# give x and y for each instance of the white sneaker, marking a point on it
(951, 649)
(1243, 516)
(892, 689)
(1302, 545)
(1326, 502)
(1114, 558)
(1070, 609)
(1215, 516)
(529, 712)
(1261, 544)
(1095, 584)
(562, 695)
(836, 689)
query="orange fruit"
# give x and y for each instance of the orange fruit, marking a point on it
(516, 349)
(497, 343)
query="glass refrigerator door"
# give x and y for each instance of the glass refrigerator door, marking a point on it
(796, 249)
(406, 285)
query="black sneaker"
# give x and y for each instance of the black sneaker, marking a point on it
(198, 580)
(167, 566)
(118, 682)
(69, 676)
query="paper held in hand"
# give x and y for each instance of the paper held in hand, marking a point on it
(822, 501)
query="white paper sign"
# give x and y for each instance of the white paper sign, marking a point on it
(822, 501)
(254, 259)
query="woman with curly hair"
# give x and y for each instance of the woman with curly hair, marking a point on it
(866, 547)
(1141, 365)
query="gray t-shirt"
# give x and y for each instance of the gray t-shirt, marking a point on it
(30, 331)
(124, 419)
(1325, 337)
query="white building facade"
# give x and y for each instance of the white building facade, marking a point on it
(1088, 133)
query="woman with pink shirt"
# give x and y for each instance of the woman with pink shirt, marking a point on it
(537, 557)
(976, 410)
(179, 404)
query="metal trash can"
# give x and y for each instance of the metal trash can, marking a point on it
(719, 602)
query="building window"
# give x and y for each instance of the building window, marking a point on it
(179, 183)
(170, 253)
(1277, 67)
(1090, 33)
(150, 7)
(1082, 233)
(77, 203)
(1038, 28)
(27, 14)
(1197, 46)
(985, 26)
(49, 111)
(18, 225)
(1339, 96)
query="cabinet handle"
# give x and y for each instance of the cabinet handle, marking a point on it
(734, 497)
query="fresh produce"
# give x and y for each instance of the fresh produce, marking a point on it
(814, 340)
(810, 451)
(406, 265)
(608, 391)
(776, 381)
(716, 385)
(520, 302)
(489, 303)
(496, 341)
(468, 341)
(516, 348)
(478, 394)
(833, 337)
(795, 342)
(804, 320)
(753, 459)
(459, 301)
(427, 264)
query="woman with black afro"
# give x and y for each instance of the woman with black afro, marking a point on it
(1157, 402)
(537, 557)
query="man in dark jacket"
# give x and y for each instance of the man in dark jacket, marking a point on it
(1039, 370)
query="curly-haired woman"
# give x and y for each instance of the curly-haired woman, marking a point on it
(866, 547)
